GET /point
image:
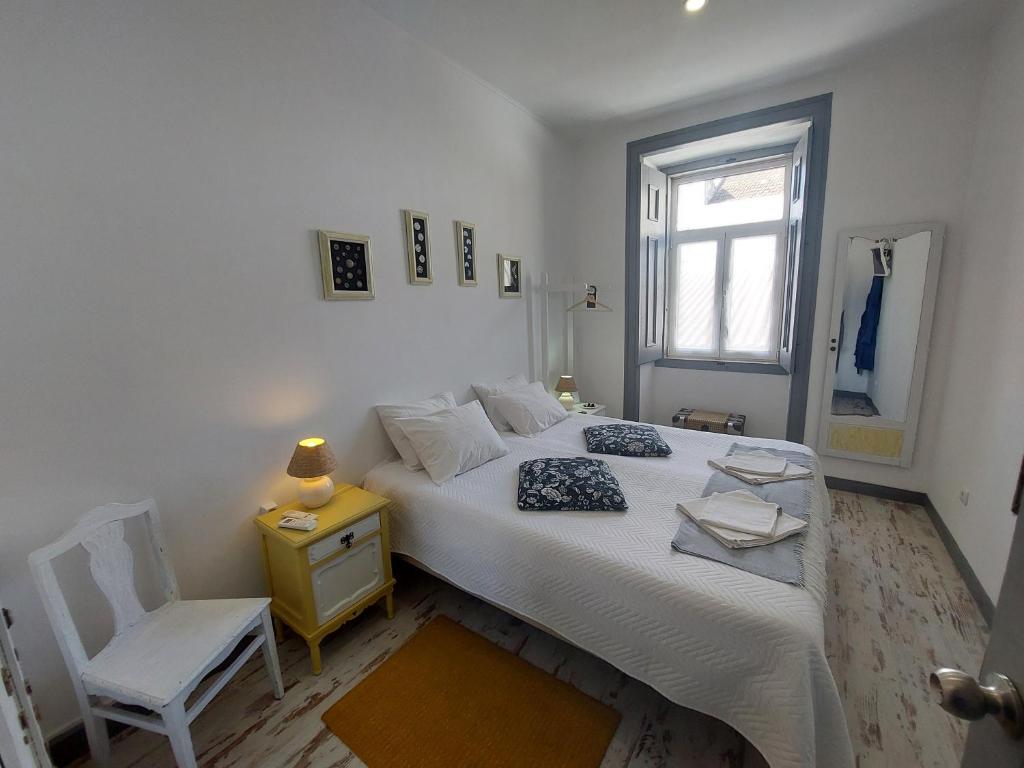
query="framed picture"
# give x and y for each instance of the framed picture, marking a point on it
(465, 252)
(510, 277)
(417, 248)
(346, 265)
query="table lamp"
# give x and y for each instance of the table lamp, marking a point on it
(566, 385)
(313, 462)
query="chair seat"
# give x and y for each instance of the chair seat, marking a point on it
(167, 650)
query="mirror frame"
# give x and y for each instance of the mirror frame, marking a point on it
(908, 426)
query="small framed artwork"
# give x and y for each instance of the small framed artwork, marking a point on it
(417, 248)
(465, 252)
(510, 277)
(346, 265)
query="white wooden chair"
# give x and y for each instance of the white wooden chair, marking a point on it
(155, 659)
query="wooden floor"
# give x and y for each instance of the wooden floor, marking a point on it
(898, 608)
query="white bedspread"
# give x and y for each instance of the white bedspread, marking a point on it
(741, 648)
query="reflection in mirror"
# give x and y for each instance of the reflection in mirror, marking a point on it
(878, 328)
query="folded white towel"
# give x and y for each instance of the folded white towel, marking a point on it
(785, 526)
(740, 511)
(792, 472)
(756, 463)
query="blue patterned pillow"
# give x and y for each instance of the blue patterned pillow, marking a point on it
(626, 440)
(577, 484)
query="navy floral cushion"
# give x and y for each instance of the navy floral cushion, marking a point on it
(569, 484)
(626, 440)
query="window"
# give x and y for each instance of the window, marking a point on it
(727, 261)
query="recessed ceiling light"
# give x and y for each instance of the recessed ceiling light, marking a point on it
(694, 5)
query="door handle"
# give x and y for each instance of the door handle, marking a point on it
(962, 696)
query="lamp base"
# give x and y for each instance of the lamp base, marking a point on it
(567, 400)
(315, 491)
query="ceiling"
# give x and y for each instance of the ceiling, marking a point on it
(573, 62)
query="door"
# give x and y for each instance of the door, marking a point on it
(794, 245)
(988, 745)
(21, 742)
(653, 215)
(994, 739)
(343, 581)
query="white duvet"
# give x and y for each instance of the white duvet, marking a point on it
(742, 648)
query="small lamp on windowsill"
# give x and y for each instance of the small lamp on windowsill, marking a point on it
(313, 462)
(566, 385)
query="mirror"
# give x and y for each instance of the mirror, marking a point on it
(881, 319)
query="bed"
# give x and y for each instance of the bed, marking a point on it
(735, 646)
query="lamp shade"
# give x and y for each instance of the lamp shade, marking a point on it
(312, 458)
(565, 384)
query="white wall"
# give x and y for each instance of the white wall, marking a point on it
(980, 439)
(675, 388)
(164, 167)
(902, 131)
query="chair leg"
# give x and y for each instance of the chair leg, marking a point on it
(95, 731)
(270, 655)
(98, 738)
(177, 731)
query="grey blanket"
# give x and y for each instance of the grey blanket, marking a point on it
(781, 561)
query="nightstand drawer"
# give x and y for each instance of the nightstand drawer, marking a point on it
(343, 539)
(342, 582)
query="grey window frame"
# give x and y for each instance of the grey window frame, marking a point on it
(817, 110)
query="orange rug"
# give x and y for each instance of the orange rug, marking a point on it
(450, 698)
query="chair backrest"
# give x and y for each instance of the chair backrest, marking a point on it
(101, 533)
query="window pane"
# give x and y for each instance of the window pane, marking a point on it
(693, 297)
(741, 198)
(749, 296)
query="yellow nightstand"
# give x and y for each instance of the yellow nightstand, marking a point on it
(322, 578)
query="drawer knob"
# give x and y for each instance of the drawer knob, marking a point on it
(347, 540)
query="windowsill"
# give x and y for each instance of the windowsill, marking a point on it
(729, 366)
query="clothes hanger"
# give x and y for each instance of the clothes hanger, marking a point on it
(589, 303)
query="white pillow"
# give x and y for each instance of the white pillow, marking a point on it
(485, 391)
(530, 409)
(388, 414)
(452, 442)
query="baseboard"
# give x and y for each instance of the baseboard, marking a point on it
(878, 491)
(70, 745)
(985, 604)
(977, 591)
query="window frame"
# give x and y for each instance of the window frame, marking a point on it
(718, 360)
(816, 112)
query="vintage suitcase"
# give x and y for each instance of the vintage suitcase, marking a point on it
(709, 421)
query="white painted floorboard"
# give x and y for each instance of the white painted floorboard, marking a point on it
(898, 608)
